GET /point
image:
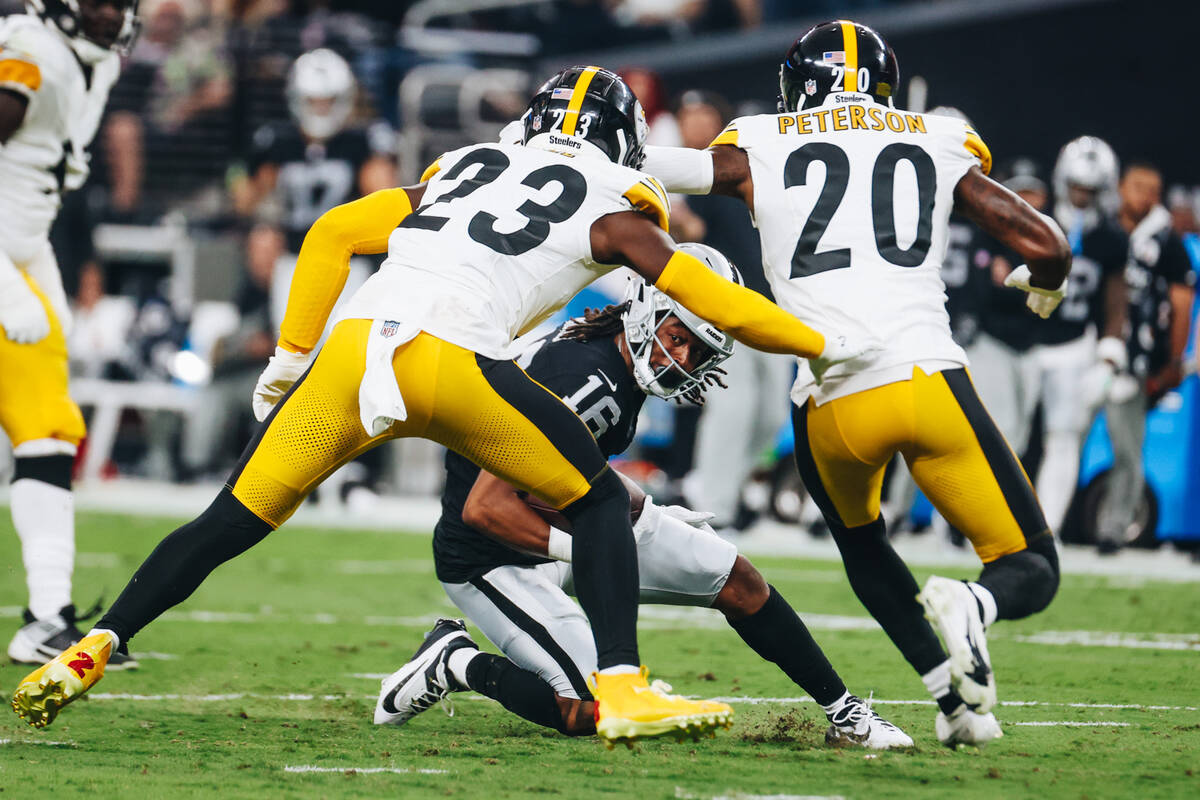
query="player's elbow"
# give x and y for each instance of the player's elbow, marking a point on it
(479, 512)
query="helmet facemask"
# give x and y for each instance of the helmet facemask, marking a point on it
(649, 309)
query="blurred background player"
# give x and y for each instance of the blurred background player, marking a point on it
(1160, 284)
(300, 169)
(57, 64)
(490, 549)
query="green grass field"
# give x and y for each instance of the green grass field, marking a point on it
(268, 669)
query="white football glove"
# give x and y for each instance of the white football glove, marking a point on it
(842, 349)
(283, 370)
(652, 514)
(22, 315)
(1040, 301)
(696, 519)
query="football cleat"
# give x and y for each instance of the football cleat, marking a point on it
(42, 694)
(964, 726)
(855, 724)
(426, 678)
(952, 608)
(629, 708)
(38, 641)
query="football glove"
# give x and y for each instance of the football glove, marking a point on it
(843, 349)
(652, 514)
(283, 370)
(22, 315)
(1040, 301)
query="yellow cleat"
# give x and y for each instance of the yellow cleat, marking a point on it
(48, 688)
(628, 708)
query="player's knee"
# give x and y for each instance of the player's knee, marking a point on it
(1032, 572)
(861, 539)
(744, 592)
(578, 716)
(607, 491)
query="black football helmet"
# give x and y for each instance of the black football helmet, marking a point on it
(588, 106)
(839, 56)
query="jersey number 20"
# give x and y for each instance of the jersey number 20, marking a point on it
(481, 228)
(806, 260)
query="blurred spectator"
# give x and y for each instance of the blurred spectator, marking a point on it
(648, 87)
(98, 344)
(737, 424)
(684, 17)
(170, 129)
(1160, 282)
(1182, 204)
(219, 427)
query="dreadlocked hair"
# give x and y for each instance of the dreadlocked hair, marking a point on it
(596, 324)
(695, 395)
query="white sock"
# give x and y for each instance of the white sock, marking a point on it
(986, 600)
(44, 516)
(458, 661)
(836, 705)
(116, 639)
(620, 669)
(937, 680)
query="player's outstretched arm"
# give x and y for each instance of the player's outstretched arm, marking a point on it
(1016, 224)
(630, 238)
(723, 169)
(360, 227)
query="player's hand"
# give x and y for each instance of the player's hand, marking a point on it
(283, 370)
(1040, 301)
(842, 349)
(696, 519)
(22, 315)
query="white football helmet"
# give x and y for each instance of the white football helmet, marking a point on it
(648, 307)
(91, 45)
(320, 93)
(1087, 163)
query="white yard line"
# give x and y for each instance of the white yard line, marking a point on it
(305, 768)
(1070, 724)
(1127, 641)
(684, 794)
(36, 741)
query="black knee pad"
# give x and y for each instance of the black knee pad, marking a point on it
(862, 540)
(54, 470)
(606, 489)
(1023, 583)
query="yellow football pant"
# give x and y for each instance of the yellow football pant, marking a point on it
(34, 400)
(489, 411)
(953, 449)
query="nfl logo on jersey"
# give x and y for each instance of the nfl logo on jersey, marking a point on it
(389, 328)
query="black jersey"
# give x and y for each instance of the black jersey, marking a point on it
(966, 282)
(1098, 253)
(1005, 316)
(314, 178)
(592, 378)
(1157, 260)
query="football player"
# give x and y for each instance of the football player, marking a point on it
(603, 366)
(57, 64)
(852, 197)
(495, 239)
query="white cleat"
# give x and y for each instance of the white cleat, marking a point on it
(426, 678)
(964, 726)
(856, 725)
(952, 608)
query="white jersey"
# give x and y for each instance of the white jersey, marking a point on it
(45, 157)
(501, 241)
(852, 200)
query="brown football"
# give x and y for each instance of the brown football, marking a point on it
(556, 518)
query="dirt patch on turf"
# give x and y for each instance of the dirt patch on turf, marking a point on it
(789, 726)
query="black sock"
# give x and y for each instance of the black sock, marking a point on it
(948, 702)
(182, 561)
(604, 563)
(888, 590)
(781, 637)
(520, 691)
(1023, 583)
